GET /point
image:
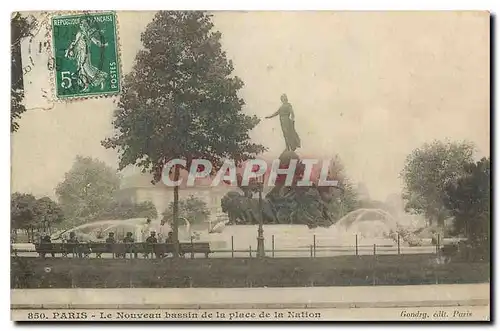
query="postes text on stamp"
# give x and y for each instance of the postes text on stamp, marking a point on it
(86, 54)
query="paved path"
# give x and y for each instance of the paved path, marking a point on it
(248, 298)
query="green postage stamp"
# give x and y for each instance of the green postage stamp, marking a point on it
(86, 55)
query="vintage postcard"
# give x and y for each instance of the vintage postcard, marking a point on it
(250, 166)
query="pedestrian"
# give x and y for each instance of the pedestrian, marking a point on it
(151, 241)
(46, 245)
(73, 244)
(110, 243)
(129, 244)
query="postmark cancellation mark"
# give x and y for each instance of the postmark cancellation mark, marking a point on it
(86, 55)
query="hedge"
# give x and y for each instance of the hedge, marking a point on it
(29, 272)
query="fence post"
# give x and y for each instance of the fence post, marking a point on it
(374, 249)
(311, 247)
(399, 246)
(192, 248)
(232, 246)
(314, 245)
(272, 246)
(439, 242)
(250, 250)
(356, 245)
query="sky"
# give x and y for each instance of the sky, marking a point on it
(367, 86)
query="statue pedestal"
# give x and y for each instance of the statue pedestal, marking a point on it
(261, 252)
(283, 204)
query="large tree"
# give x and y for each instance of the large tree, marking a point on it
(29, 213)
(21, 28)
(87, 189)
(181, 101)
(468, 199)
(23, 213)
(427, 172)
(193, 209)
(48, 214)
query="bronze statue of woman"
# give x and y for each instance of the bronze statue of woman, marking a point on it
(287, 120)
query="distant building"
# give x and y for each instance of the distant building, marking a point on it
(138, 188)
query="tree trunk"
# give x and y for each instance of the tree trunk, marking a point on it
(175, 223)
(441, 217)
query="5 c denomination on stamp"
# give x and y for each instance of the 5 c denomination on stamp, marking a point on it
(86, 55)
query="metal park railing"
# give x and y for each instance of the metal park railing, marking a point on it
(195, 248)
(315, 250)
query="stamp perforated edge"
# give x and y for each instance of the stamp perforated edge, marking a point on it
(51, 51)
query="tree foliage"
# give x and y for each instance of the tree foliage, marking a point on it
(427, 172)
(88, 193)
(48, 213)
(22, 210)
(125, 210)
(21, 28)
(345, 199)
(193, 209)
(88, 189)
(29, 213)
(468, 199)
(181, 100)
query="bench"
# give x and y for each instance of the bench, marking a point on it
(59, 248)
(162, 249)
(195, 247)
(98, 249)
(121, 249)
(117, 249)
(83, 249)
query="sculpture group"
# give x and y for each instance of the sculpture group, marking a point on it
(283, 204)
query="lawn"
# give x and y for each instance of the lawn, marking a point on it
(410, 269)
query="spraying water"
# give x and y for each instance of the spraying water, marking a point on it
(98, 231)
(367, 226)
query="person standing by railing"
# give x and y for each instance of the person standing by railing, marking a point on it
(46, 244)
(170, 242)
(151, 241)
(144, 231)
(110, 243)
(73, 244)
(129, 244)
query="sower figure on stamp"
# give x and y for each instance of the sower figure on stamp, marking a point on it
(80, 50)
(287, 120)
